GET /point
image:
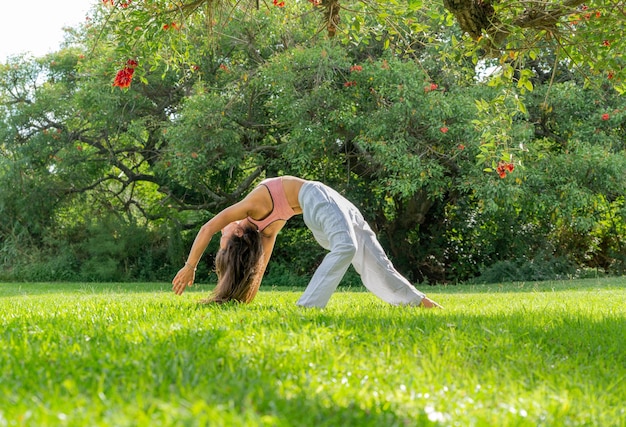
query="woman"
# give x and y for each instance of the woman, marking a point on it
(249, 230)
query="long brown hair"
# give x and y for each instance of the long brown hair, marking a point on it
(239, 267)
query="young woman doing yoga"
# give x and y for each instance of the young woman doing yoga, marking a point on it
(249, 229)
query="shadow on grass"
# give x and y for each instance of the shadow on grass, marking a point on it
(544, 286)
(26, 289)
(173, 373)
(202, 361)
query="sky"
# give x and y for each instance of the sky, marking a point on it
(36, 26)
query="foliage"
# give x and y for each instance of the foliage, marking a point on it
(456, 171)
(509, 35)
(564, 202)
(513, 354)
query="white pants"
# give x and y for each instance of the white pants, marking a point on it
(339, 227)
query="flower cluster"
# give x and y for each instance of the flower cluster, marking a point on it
(430, 88)
(122, 3)
(172, 26)
(125, 75)
(504, 168)
(587, 15)
(356, 68)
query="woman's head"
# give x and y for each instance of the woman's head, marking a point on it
(238, 263)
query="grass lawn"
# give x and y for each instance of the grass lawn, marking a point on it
(524, 354)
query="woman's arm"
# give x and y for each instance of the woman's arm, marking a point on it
(267, 241)
(186, 275)
(268, 246)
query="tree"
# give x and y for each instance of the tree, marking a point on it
(403, 126)
(506, 35)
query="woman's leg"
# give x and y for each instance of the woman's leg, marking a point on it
(326, 215)
(378, 273)
(328, 274)
(338, 226)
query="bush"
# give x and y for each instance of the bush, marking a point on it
(62, 266)
(538, 269)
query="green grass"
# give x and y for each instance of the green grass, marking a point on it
(551, 354)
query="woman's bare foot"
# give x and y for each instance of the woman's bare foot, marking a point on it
(428, 303)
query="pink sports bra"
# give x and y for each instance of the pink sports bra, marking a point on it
(281, 209)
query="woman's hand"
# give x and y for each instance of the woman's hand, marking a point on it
(184, 278)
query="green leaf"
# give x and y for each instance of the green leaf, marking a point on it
(415, 5)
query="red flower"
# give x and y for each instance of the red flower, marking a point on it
(430, 88)
(606, 43)
(611, 75)
(504, 167)
(123, 3)
(605, 116)
(598, 14)
(348, 84)
(443, 129)
(356, 68)
(461, 147)
(171, 25)
(279, 4)
(124, 77)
